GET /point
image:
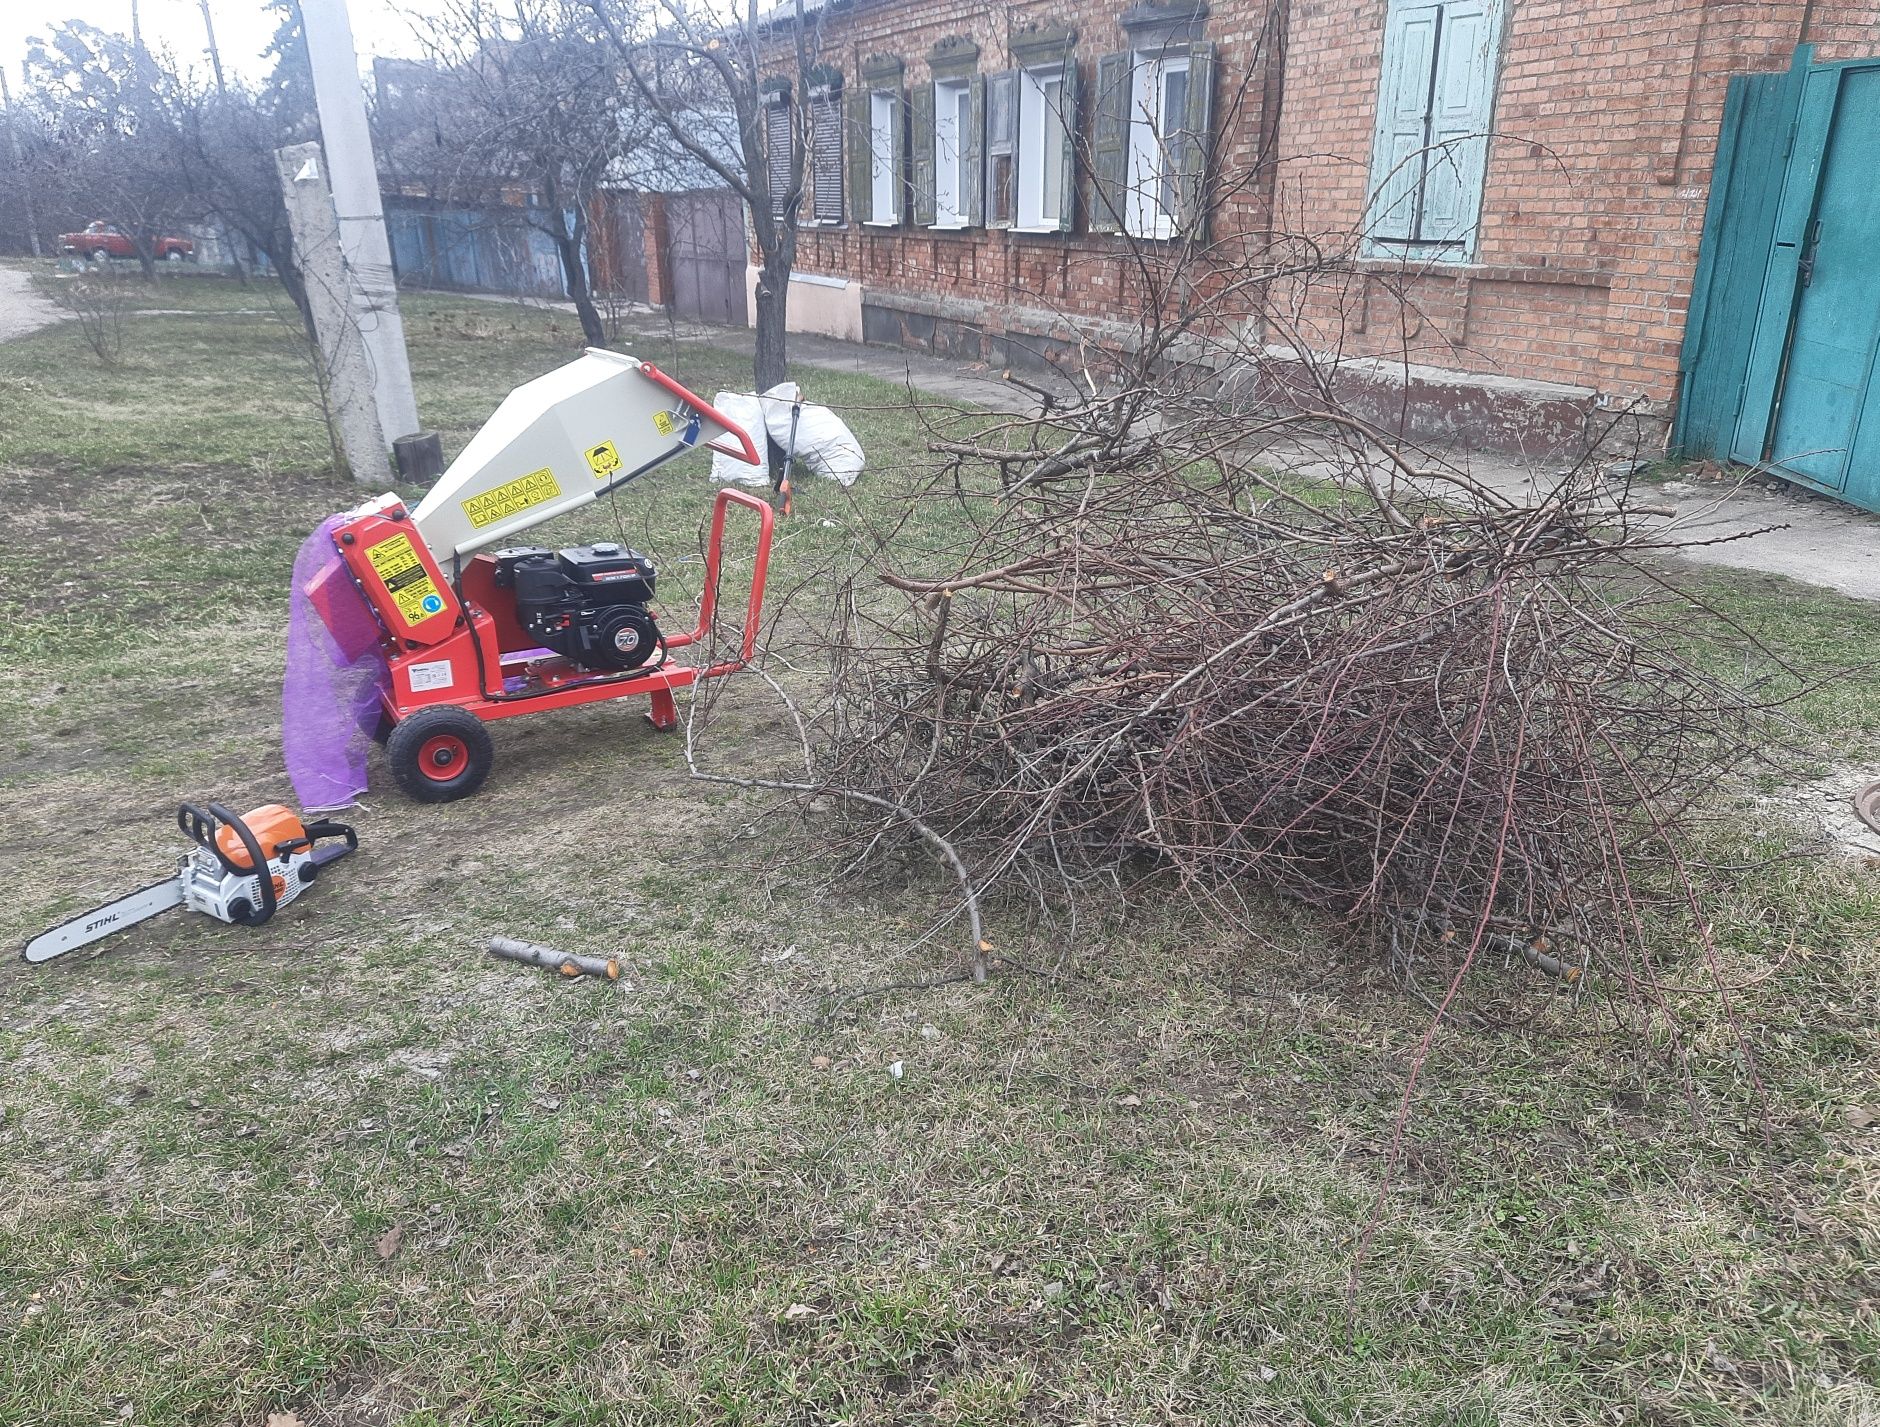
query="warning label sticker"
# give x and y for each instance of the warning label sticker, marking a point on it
(411, 589)
(663, 423)
(507, 499)
(604, 459)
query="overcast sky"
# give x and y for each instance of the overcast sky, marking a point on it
(242, 27)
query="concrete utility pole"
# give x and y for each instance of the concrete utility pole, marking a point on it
(19, 166)
(345, 363)
(215, 53)
(355, 186)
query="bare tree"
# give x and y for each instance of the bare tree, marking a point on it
(112, 109)
(227, 139)
(527, 92)
(703, 75)
(18, 184)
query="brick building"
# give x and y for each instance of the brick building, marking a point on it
(1511, 193)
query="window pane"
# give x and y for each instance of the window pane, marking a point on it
(1052, 156)
(881, 149)
(963, 130)
(951, 135)
(1172, 117)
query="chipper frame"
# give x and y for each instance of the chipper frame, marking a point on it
(441, 579)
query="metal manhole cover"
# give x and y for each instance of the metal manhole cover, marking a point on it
(1867, 805)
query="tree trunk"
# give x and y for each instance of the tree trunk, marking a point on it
(146, 257)
(574, 271)
(769, 363)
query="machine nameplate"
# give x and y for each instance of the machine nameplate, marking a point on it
(435, 674)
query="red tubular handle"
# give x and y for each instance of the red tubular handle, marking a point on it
(760, 568)
(704, 408)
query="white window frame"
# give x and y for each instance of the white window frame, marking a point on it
(1041, 136)
(881, 167)
(1151, 151)
(952, 99)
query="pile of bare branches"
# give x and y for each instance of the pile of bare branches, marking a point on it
(1188, 643)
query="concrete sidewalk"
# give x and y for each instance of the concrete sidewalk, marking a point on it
(1748, 525)
(22, 309)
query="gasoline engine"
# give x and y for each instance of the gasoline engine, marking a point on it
(587, 603)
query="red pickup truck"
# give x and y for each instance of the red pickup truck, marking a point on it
(106, 240)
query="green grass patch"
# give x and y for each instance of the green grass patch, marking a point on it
(347, 1166)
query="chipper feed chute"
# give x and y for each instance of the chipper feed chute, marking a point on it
(561, 440)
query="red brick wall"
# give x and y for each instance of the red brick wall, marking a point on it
(1073, 278)
(1607, 117)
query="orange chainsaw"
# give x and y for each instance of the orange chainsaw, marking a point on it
(218, 875)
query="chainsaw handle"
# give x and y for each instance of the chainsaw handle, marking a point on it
(325, 827)
(199, 826)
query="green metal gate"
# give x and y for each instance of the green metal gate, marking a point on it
(1784, 325)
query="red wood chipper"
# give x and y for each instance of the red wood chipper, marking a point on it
(451, 623)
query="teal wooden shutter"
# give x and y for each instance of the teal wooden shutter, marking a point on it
(1462, 103)
(1109, 144)
(1067, 150)
(926, 201)
(861, 159)
(975, 158)
(1398, 151)
(1197, 138)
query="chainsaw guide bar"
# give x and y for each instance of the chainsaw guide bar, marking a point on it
(117, 916)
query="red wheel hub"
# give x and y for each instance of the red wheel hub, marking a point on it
(442, 757)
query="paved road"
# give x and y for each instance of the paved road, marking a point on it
(22, 309)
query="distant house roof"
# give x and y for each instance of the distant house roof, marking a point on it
(657, 163)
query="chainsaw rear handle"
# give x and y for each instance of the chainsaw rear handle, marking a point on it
(324, 828)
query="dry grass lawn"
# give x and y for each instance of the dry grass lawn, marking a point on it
(346, 1167)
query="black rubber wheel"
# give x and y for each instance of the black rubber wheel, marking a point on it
(439, 755)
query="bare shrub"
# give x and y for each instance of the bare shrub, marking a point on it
(98, 302)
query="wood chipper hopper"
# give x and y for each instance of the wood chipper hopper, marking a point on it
(455, 622)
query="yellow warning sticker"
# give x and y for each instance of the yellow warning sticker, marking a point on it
(604, 459)
(411, 589)
(512, 496)
(663, 423)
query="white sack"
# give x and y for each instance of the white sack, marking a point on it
(748, 412)
(824, 443)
